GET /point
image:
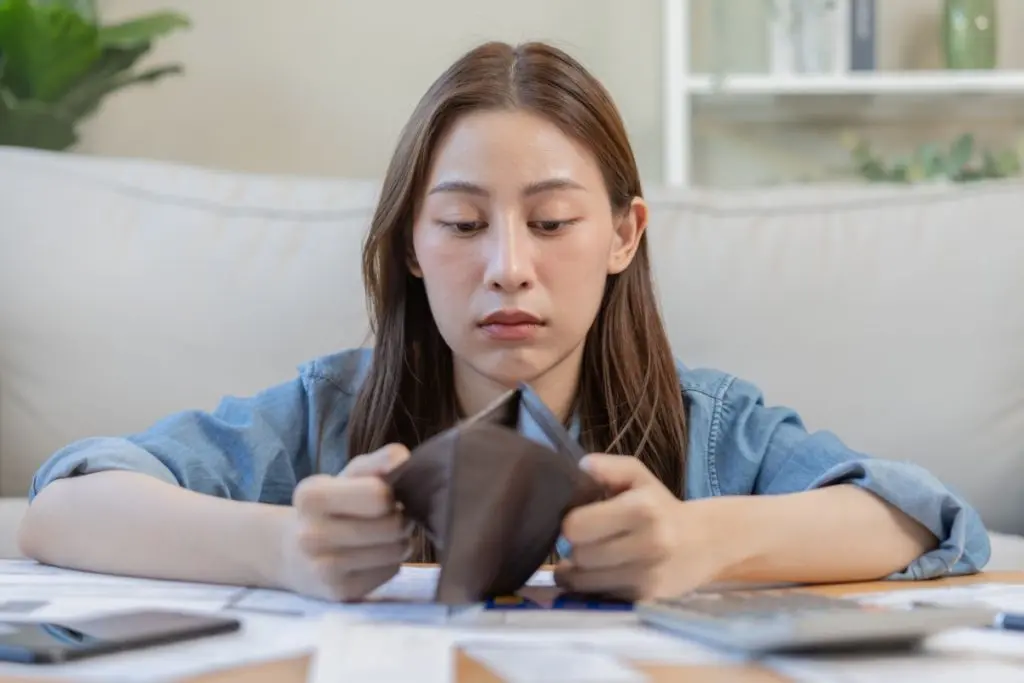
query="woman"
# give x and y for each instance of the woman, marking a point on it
(508, 245)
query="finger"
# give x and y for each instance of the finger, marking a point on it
(381, 461)
(357, 585)
(606, 519)
(617, 472)
(622, 550)
(362, 497)
(326, 534)
(627, 582)
(333, 567)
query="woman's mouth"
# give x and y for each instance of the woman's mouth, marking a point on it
(511, 325)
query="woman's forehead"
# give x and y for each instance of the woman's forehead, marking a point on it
(498, 149)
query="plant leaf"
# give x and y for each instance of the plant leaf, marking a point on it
(33, 124)
(989, 165)
(1007, 163)
(87, 99)
(84, 8)
(959, 155)
(930, 159)
(45, 48)
(15, 17)
(142, 30)
(79, 99)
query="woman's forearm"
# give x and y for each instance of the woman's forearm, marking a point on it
(133, 524)
(829, 535)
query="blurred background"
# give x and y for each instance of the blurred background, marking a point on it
(322, 87)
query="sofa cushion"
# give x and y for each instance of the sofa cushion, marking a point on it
(133, 289)
(892, 316)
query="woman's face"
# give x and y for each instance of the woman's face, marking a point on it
(514, 239)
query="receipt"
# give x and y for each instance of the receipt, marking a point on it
(538, 662)
(350, 649)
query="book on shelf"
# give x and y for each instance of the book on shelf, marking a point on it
(822, 36)
(863, 35)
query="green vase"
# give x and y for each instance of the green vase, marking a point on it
(969, 34)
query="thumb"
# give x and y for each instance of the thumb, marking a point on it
(617, 472)
(379, 462)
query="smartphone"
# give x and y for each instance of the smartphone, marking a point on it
(33, 642)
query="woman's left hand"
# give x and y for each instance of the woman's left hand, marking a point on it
(641, 543)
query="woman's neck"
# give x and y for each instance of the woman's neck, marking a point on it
(556, 387)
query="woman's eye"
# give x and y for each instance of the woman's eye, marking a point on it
(550, 226)
(464, 227)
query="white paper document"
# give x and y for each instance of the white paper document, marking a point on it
(633, 643)
(870, 668)
(409, 596)
(351, 650)
(34, 592)
(1004, 597)
(24, 580)
(536, 662)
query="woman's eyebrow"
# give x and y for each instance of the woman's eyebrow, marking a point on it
(551, 184)
(466, 187)
(460, 186)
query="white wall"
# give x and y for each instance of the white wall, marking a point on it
(323, 86)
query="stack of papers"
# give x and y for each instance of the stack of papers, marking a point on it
(278, 625)
(359, 641)
(408, 597)
(352, 649)
(31, 590)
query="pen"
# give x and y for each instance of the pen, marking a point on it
(1005, 621)
(1009, 621)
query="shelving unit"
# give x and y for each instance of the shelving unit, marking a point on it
(778, 97)
(860, 83)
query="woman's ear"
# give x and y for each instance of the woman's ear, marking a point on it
(629, 229)
(412, 263)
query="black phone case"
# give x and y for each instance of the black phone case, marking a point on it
(112, 633)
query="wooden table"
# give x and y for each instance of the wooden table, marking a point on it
(469, 671)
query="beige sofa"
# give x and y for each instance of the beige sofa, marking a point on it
(895, 317)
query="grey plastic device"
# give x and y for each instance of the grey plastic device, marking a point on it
(764, 622)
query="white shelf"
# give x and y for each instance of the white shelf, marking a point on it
(915, 97)
(911, 83)
(924, 96)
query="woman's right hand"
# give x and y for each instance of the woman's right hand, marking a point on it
(346, 536)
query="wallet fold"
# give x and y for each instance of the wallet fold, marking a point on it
(490, 499)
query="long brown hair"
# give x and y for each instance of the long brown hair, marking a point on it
(629, 399)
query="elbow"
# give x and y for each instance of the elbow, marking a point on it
(39, 531)
(28, 539)
(53, 528)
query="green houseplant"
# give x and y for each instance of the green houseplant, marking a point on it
(961, 162)
(58, 62)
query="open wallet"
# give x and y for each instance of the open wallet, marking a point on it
(490, 499)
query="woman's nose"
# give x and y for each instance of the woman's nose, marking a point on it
(509, 257)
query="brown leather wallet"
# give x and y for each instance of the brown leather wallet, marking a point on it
(492, 500)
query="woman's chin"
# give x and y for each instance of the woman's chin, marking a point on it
(509, 367)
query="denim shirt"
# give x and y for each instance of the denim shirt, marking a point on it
(258, 448)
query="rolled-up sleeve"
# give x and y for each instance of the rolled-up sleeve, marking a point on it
(246, 449)
(771, 446)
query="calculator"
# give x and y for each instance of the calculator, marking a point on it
(767, 622)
